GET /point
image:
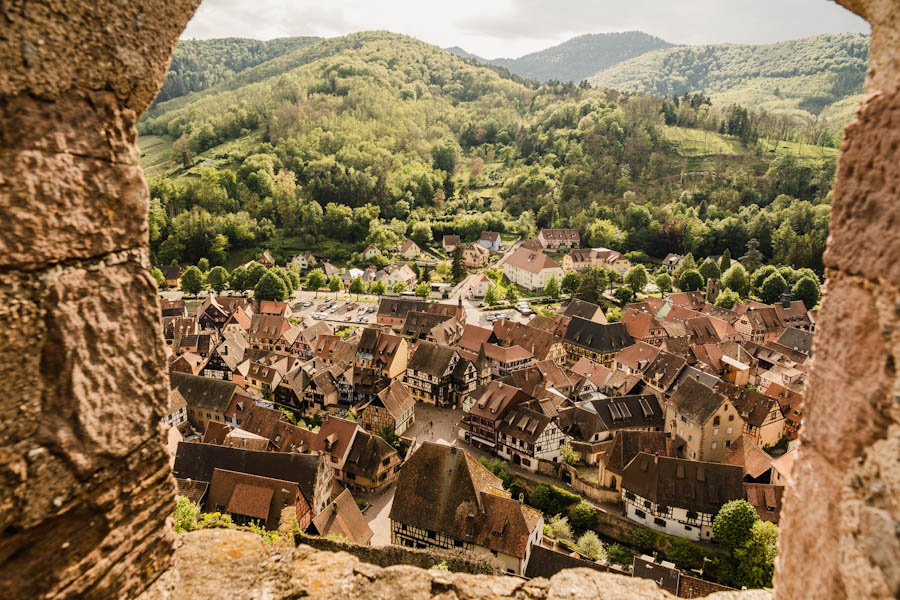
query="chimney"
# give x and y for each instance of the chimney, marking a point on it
(786, 298)
(656, 458)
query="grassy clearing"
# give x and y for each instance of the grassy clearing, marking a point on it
(803, 151)
(155, 154)
(694, 143)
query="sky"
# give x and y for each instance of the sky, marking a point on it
(512, 28)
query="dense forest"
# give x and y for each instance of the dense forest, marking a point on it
(200, 64)
(578, 58)
(809, 77)
(374, 136)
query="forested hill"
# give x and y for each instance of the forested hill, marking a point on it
(373, 137)
(200, 64)
(817, 76)
(578, 58)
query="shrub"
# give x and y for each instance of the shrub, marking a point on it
(551, 500)
(560, 528)
(583, 516)
(185, 515)
(619, 554)
(643, 539)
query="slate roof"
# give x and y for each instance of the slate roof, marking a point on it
(603, 338)
(701, 487)
(198, 461)
(797, 339)
(629, 412)
(343, 517)
(444, 489)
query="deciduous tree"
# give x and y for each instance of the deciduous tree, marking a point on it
(217, 279)
(192, 281)
(315, 281)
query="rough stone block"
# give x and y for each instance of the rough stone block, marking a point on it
(865, 218)
(71, 187)
(52, 46)
(850, 385)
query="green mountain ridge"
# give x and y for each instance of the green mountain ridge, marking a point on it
(817, 76)
(200, 64)
(575, 59)
(374, 137)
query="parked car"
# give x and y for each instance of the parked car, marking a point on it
(307, 304)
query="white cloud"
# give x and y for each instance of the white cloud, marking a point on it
(510, 28)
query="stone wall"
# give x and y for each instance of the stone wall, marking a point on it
(84, 481)
(243, 567)
(840, 529)
(386, 556)
(85, 485)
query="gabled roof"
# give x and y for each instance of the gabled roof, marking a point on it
(664, 371)
(629, 443)
(473, 336)
(560, 234)
(367, 453)
(638, 356)
(753, 407)
(432, 359)
(744, 453)
(396, 399)
(198, 461)
(495, 400)
(702, 487)
(445, 490)
(585, 310)
(603, 338)
(764, 319)
(533, 262)
(523, 423)
(625, 412)
(203, 392)
(593, 372)
(342, 517)
(797, 340)
(696, 401)
(490, 236)
(268, 326)
(336, 434)
(766, 499)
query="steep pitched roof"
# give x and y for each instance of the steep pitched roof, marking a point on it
(343, 517)
(701, 487)
(532, 262)
(444, 489)
(696, 401)
(198, 461)
(432, 359)
(203, 392)
(629, 443)
(797, 339)
(744, 453)
(766, 499)
(603, 338)
(585, 310)
(367, 452)
(638, 356)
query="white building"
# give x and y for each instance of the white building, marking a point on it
(677, 496)
(531, 270)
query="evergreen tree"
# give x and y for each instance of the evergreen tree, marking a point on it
(753, 258)
(592, 285)
(725, 262)
(192, 281)
(459, 266)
